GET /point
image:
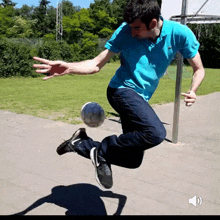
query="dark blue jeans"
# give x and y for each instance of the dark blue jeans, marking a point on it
(142, 129)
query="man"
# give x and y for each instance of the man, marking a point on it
(147, 44)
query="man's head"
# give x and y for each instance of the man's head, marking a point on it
(142, 16)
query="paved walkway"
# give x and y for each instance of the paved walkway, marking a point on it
(34, 178)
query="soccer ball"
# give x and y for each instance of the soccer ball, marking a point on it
(92, 114)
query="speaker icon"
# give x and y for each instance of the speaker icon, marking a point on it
(194, 201)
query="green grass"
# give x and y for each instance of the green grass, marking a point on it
(61, 98)
(165, 92)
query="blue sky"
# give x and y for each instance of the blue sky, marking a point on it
(81, 3)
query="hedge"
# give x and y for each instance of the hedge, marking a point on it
(16, 54)
(15, 59)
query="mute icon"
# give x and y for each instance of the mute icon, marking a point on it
(194, 201)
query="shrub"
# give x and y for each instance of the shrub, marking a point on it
(16, 54)
(53, 50)
(15, 59)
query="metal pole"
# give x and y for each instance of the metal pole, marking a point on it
(59, 18)
(57, 22)
(178, 81)
(198, 11)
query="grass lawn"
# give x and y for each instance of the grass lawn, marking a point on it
(61, 98)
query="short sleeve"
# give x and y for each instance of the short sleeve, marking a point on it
(116, 42)
(188, 44)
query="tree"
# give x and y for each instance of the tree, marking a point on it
(101, 5)
(25, 11)
(69, 9)
(89, 46)
(43, 5)
(105, 33)
(117, 11)
(22, 28)
(41, 14)
(103, 21)
(6, 19)
(51, 20)
(71, 29)
(86, 22)
(8, 3)
(208, 36)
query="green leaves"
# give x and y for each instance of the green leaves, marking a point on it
(208, 36)
(15, 59)
(22, 28)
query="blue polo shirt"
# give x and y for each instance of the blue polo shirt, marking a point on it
(143, 62)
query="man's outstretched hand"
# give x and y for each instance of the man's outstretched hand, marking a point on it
(53, 68)
(190, 97)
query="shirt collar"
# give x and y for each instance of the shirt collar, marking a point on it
(164, 30)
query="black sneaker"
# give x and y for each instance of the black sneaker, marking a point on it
(68, 146)
(102, 169)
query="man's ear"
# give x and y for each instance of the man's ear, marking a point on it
(153, 24)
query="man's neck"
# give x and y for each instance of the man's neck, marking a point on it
(156, 31)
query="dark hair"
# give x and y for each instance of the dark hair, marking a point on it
(145, 10)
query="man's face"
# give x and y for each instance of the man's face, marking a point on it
(139, 30)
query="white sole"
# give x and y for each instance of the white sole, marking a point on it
(94, 164)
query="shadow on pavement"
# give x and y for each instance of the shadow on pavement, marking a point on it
(79, 199)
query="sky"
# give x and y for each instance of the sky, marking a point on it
(81, 3)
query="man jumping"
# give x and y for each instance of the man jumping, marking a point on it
(147, 43)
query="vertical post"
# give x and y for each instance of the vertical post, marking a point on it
(61, 20)
(178, 81)
(59, 27)
(57, 21)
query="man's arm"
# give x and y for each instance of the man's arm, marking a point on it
(60, 68)
(198, 76)
(91, 66)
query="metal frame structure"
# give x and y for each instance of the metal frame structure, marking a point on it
(204, 18)
(59, 18)
(183, 20)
